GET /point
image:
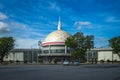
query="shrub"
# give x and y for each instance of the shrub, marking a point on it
(108, 60)
(55, 61)
(25, 61)
(17, 61)
(41, 61)
(115, 60)
(102, 61)
(11, 61)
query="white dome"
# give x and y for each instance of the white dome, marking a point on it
(57, 36)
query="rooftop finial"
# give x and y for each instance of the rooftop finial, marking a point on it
(59, 24)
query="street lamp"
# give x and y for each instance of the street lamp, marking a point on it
(39, 44)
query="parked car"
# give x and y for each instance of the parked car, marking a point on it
(76, 62)
(66, 62)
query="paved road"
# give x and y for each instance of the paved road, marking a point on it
(60, 72)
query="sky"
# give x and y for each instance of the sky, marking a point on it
(29, 21)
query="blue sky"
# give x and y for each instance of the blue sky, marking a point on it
(29, 21)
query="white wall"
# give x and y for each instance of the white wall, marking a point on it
(116, 57)
(107, 55)
(14, 56)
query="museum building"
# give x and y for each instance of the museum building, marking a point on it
(53, 47)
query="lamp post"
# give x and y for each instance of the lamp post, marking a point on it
(14, 53)
(112, 58)
(31, 60)
(87, 56)
(39, 44)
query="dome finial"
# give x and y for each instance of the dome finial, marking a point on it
(59, 24)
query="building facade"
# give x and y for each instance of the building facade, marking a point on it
(23, 55)
(37, 56)
(54, 48)
(102, 54)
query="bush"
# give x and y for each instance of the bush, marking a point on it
(31, 61)
(11, 61)
(115, 60)
(41, 61)
(25, 61)
(108, 60)
(55, 61)
(102, 61)
(17, 61)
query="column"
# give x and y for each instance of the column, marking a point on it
(14, 57)
(87, 56)
(49, 49)
(112, 58)
(65, 49)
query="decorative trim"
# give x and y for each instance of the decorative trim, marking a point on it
(53, 43)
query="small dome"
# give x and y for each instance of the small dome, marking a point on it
(57, 36)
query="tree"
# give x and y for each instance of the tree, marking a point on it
(77, 54)
(79, 45)
(115, 44)
(6, 44)
(70, 42)
(89, 42)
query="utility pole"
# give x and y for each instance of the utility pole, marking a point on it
(39, 44)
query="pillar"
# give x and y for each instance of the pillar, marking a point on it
(65, 49)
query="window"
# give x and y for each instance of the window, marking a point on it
(57, 51)
(46, 51)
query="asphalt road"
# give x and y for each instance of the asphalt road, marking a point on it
(60, 72)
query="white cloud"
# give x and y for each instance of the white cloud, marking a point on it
(101, 42)
(81, 24)
(101, 39)
(54, 6)
(4, 27)
(79, 27)
(112, 19)
(3, 16)
(37, 34)
(26, 43)
(18, 25)
(86, 23)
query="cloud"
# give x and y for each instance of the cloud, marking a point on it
(112, 19)
(101, 39)
(4, 27)
(18, 25)
(101, 42)
(81, 24)
(3, 16)
(37, 34)
(26, 43)
(54, 6)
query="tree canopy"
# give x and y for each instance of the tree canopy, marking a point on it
(80, 44)
(115, 44)
(6, 44)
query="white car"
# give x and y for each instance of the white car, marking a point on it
(66, 62)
